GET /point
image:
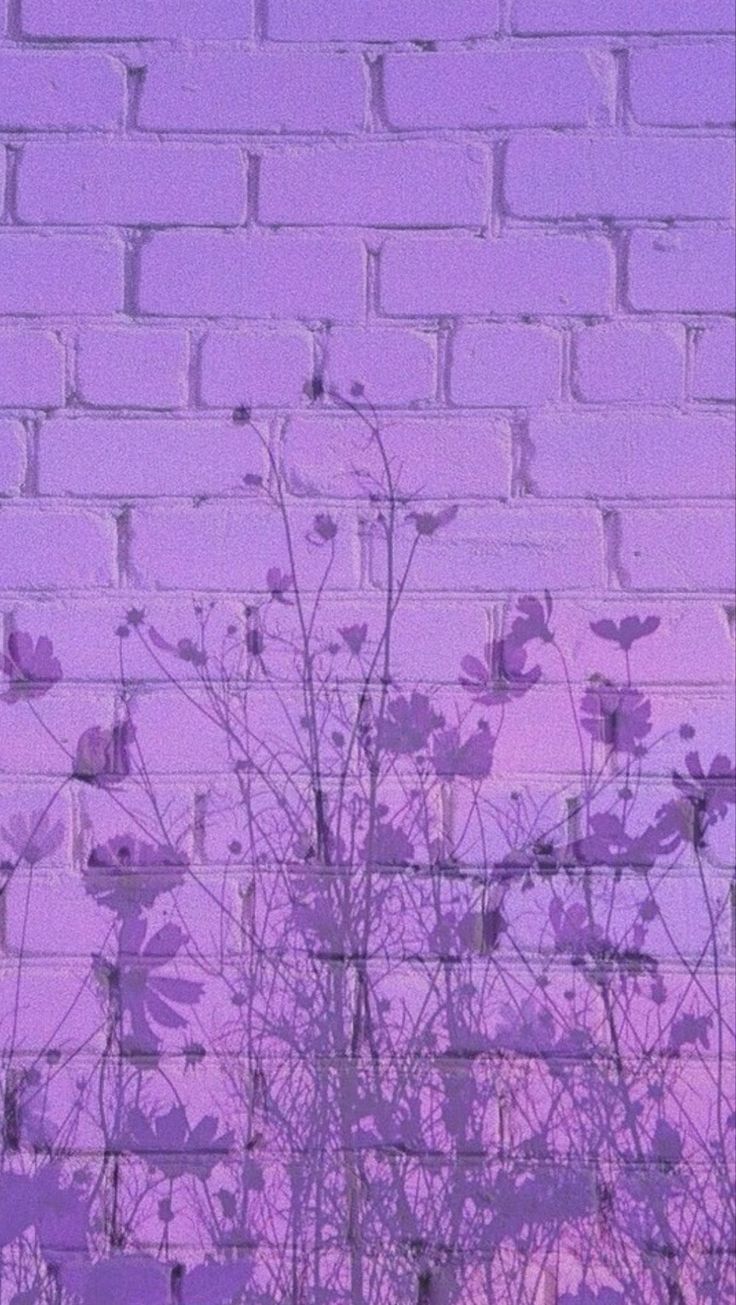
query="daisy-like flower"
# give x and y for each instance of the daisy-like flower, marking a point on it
(712, 791)
(33, 837)
(627, 631)
(127, 874)
(408, 724)
(30, 667)
(501, 676)
(471, 759)
(171, 1145)
(616, 715)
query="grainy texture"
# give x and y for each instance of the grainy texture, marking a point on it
(235, 235)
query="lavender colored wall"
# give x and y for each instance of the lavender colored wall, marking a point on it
(511, 221)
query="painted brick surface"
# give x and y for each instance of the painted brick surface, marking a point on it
(366, 923)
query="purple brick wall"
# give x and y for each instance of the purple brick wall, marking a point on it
(236, 237)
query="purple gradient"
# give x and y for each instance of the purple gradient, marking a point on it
(367, 788)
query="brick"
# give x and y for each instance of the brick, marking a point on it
(627, 177)
(238, 91)
(565, 16)
(624, 362)
(513, 274)
(412, 183)
(31, 369)
(137, 19)
(230, 548)
(132, 368)
(130, 183)
(145, 458)
(190, 274)
(380, 20)
(12, 457)
(506, 365)
(394, 367)
(683, 85)
(439, 455)
(687, 271)
(564, 88)
(673, 654)
(515, 547)
(42, 274)
(262, 368)
(634, 455)
(679, 549)
(59, 92)
(714, 375)
(82, 556)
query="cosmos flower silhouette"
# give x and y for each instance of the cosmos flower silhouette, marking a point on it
(31, 668)
(127, 874)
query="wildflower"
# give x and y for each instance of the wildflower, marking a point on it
(408, 724)
(354, 636)
(173, 1146)
(391, 847)
(324, 527)
(147, 997)
(572, 928)
(279, 583)
(102, 756)
(127, 874)
(608, 843)
(31, 668)
(185, 649)
(194, 1053)
(501, 677)
(618, 716)
(625, 632)
(712, 792)
(532, 621)
(428, 523)
(33, 838)
(471, 760)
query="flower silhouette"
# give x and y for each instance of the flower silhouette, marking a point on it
(31, 668)
(472, 758)
(712, 792)
(501, 676)
(616, 715)
(408, 724)
(354, 637)
(102, 757)
(279, 583)
(428, 523)
(625, 632)
(324, 528)
(532, 621)
(147, 997)
(126, 874)
(33, 837)
(173, 1146)
(185, 649)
